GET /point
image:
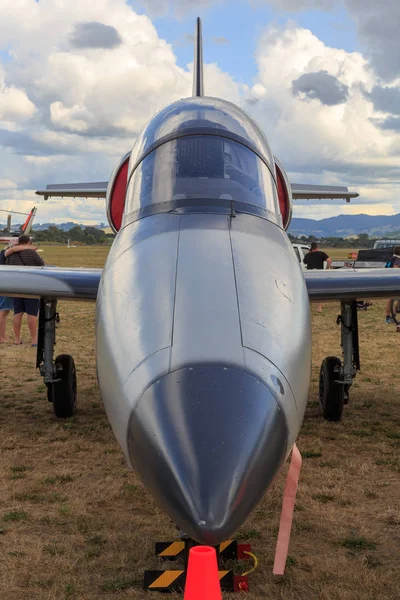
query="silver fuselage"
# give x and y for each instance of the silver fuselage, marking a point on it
(184, 291)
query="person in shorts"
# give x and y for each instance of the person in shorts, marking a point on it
(6, 304)
(394, 263)
(18, 256)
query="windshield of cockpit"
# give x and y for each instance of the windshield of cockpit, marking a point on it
(201, 170)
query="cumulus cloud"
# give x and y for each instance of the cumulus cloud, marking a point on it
(75, 118)
(390, 123)
(377, 28)
(378, 31)
(78, 106)
(111, 92)
(95, 35)
(15, 106)
(337, 144)
(322, 211)
(6, 184)
(386, 99)
(296, 5)
(79, 86)
(320, 86)
(86, 211)
(376, 22)
(178, 8)
(113, 87)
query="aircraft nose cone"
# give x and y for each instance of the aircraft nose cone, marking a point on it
(207, 442)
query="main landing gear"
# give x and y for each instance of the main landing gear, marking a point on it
(336, 377)
(59, 375)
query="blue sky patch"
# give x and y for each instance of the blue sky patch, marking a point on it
(231, 33)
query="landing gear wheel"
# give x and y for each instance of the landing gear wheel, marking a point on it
(346, 394)
(64, 390)
(331, 393)
(49, 387)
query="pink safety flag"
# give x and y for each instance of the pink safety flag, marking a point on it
(285, 526)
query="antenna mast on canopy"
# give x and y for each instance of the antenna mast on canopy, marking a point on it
(198, 84)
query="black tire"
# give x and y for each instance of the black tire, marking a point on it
(395, 310)
(64, 390)
(346, 394)
(49, 387)
(331, 393)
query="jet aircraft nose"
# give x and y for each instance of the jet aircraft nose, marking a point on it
(207, 442)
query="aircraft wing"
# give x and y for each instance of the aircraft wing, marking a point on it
(352, 284)
(52, 282)
(96, 189)
(302, 191)
(82, 283)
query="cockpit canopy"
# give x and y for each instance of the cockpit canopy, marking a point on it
(202, 153)
(201, 115)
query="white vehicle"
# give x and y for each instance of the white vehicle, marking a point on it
(385, 244)
(301, 250)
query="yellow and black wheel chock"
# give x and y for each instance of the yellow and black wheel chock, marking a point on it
(174, 580)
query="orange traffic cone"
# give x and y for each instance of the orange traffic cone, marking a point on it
(202, 579)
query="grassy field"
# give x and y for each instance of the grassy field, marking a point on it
(339, 253)
(76, 524)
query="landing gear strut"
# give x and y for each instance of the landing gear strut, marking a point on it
(336, 377)
(59, 375)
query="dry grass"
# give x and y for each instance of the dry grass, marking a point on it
(76, 524)
(339, 253)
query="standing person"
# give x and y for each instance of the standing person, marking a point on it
(25, 255)
(6, 304)
(315, 260)
(393, 263)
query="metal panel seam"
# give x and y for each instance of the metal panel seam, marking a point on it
(113, 260)
(276, 367)
(143, 361)
(149, 385)
(236, 287)
(175, 288)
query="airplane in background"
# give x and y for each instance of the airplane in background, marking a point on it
(203, 325)
(25, 228)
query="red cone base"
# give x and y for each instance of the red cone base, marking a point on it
(202, 579)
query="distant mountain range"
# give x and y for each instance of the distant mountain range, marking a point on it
(340, 226)
(347, 226)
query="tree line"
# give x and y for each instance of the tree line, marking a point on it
(84, 235)
(91, 235)
(361, 241)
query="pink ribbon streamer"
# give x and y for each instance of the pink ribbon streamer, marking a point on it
(285, 526)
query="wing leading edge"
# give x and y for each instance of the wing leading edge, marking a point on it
(352, 284)
(51, 282)
(301, 191)
(83, 284)
(96, 189)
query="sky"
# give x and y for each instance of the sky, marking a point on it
(321, 77)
